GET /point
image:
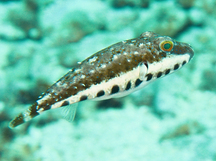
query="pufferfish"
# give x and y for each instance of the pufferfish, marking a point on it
(114, 71)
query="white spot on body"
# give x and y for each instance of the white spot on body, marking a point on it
(111, 49)
(141, 45)
(58, 83)
(147, 34)
(129, 60)
(82, 76)
(103, 66)
(37, 107)
(93, 59)
(44, 98)
(64, 85)
(136, 52)
(40, 110)
(115, 57)
(92, 71)
(148, 43)
(77, 70)
(125, 53)
(83, 84)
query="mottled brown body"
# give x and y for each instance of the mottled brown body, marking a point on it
(105, 65)
(117, 58)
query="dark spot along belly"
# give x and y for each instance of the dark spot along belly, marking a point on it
(149, 77)
(100, 93)
(176, 67)
(138, 82)
(84, 97)
(184, 62)
(167, 71)
(159, 74)
(115, 89)
(128, 86)
(65, 103)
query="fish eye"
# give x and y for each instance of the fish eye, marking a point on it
(166, 45)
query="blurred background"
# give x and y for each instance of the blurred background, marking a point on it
(172, 119)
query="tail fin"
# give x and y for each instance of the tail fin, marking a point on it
(24, 117)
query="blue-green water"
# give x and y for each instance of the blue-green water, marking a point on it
(173, 118)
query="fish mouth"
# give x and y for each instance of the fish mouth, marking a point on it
(190, 51)
(183, 48)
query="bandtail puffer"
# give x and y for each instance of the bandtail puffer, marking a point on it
(113, 72)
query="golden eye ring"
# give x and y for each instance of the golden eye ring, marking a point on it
(166, 45)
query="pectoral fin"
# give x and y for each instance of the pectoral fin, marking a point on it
(143, 68)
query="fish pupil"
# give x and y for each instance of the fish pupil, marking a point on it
(167, 46)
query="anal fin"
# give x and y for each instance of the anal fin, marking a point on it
(69, 112)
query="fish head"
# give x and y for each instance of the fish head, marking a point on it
(167, 54)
